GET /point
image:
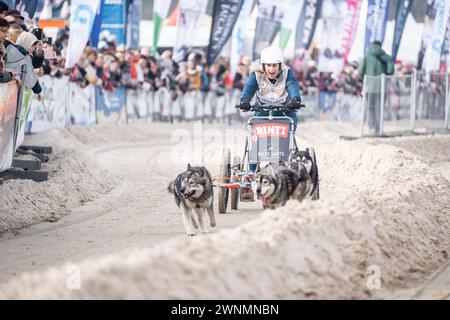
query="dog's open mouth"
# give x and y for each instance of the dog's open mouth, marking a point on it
(262, 198)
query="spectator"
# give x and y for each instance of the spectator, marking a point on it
(14, 16)
(33, 47)
(375, 63)
(3, 8)
(14, 32)
(17, 57)
(4, 75)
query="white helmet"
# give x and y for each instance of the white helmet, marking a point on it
(271, 55)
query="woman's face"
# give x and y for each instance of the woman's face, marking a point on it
(191, 64)
(142, 63)
(213, 69)
(272, 70)
(114, 66)
(3, 33)
(32, 48)
(92, 57)
(99, 62)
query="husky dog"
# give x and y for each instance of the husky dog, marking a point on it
(275, 186)
(193, 191)
(302, 161)
(305, 185)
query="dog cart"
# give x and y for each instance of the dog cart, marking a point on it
(270, 139)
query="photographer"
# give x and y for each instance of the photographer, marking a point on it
(34, 48)
(17, 56)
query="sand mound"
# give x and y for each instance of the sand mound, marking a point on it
(74, 179)
(381, 208)
(431, 148)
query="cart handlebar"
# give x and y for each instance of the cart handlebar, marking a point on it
(267, 108)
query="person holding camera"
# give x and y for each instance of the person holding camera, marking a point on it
(18, 55)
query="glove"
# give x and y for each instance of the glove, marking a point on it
(245, 104)
(295, 103)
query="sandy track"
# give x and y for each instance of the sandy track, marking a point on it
(138, 212)
(380, 206)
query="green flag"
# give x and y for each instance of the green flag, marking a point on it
(289, 22)
(160, 11)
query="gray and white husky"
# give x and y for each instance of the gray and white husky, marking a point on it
(302, 161)
(275, 185)
(193, 192)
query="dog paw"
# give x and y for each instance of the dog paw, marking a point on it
(191, 234)
(213, 224)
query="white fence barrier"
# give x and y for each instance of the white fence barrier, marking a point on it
(414, 102)
(49, 113)
(80, 107)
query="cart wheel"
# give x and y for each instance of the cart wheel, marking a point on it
(235, 192)
(312, 153)
(225, 173)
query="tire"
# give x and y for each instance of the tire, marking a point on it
(312, 153)
(225, 173)
(235, 192)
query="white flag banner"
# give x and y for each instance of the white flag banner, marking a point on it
(334, 13)
(238, 36)
(161, 8)
(160, 12)
(188, 26)
(290, 20)
(433, 54)
(82, 15)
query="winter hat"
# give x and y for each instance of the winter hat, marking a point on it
(3, 7)
(26, 40)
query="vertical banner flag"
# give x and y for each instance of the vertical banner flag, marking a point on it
(95, 33)
(334, 14)
(82, 15)
(427, 30)
(289, 22)
(160, 12)
(445, 48)
(377, 15)
(114, 19)
(238, 36)
(306, 26)
(133, 25)
(58, 8)
(30, 9)
(403, 9)
(225, 15)
(268, 23)
(433, 54)
(350, 26)
(188, 26)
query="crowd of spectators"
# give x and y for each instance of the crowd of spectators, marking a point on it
(109, 66)
(20, 50)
